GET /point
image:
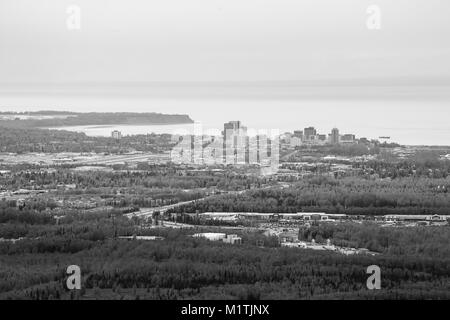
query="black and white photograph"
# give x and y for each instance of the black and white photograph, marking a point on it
(246, 152)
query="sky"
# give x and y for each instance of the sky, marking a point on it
(231, 58)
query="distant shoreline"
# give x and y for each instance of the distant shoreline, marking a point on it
(100, 126)
(94, 120)
(126, 129)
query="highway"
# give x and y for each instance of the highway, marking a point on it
(143, 213)
(148, 212)
(114, 159)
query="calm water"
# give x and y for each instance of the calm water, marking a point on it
(420, 122)
(105, 131)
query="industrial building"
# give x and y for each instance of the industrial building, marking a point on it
(214, 236)
(306, 216)
(232, 239)
(416, 218)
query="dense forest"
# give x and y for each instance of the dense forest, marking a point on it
(92, 118)
(421, 164)
(424, 241)
(161, 184)
(181, 266)
(24, 140)
(351, 195)
(161, 176)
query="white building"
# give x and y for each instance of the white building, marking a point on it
(116, 134)
(233, 239)
(212, 236)
(419, 217)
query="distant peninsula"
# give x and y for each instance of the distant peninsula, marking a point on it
(45, 119)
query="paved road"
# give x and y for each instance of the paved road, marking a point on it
(113, 159)
(149, 212)
(286, 156)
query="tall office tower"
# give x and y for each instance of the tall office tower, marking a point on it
(183, 152)
(348, 138)
(232, 125)
(116, 135)
(262, 148)
(309, 133)
(298, 134)
(234, 143)
(334, 137)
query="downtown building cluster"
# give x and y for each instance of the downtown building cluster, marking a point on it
(310, 136)
(235, 146)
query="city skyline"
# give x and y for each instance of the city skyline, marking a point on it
(281, 60)
(423, 126)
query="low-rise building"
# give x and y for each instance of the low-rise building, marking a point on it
(232, 239)
(215, 236)
(416, 218)
(212, 236)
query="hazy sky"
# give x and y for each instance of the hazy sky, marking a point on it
(223, 40)
(215, 58)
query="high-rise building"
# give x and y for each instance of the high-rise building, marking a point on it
(298, 134)
(263, 148)
(348, 138)
(309, 133)
(232, 125)
(116, 134)
(334, 137)
(235, 142)
(364, 140)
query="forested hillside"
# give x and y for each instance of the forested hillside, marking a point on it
(181, 266)
(352, 195)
